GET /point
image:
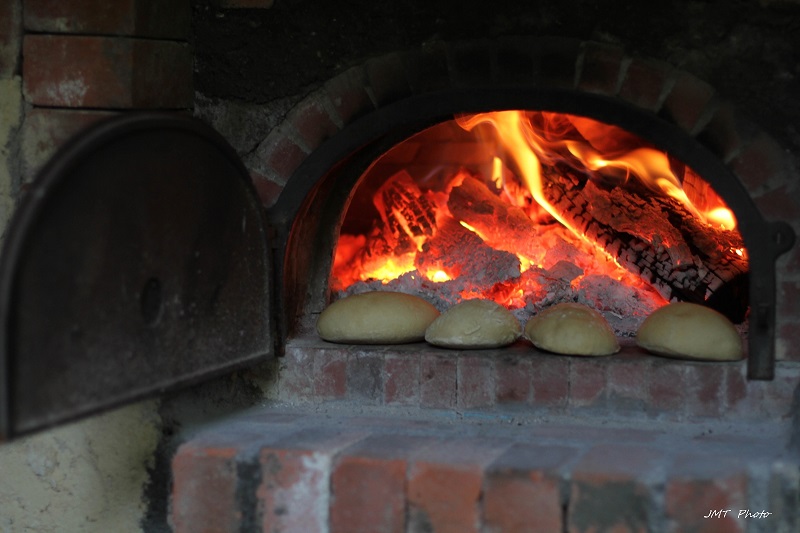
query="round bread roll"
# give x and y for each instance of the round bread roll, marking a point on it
(572, 329)
(474, 324)
(690, 331)
(376, 318)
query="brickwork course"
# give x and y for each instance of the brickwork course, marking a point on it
(355, 469)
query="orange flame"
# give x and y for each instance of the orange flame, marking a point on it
(528, 147)
(517, 145)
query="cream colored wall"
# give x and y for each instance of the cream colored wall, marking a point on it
(88, 476)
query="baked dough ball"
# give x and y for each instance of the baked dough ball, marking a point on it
(572, 329)
(690, 331)
(376, 318)
(474, 324)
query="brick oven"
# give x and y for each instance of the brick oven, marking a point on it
(411, 437)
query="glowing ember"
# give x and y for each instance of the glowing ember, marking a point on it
(539, 206)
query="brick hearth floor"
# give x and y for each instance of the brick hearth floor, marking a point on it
(335, 467)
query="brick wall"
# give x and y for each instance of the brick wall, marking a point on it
(349, 471)
(85, 60)
(632, 386)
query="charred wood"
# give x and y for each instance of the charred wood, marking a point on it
(656, 237)
(406, 213)
(459, 252)
(499, 224)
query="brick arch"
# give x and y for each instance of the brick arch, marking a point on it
(653, 86)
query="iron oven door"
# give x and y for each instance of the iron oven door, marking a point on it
(138, 262)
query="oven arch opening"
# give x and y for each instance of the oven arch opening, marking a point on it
(324, 183)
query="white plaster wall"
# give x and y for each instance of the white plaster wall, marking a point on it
(84, 477)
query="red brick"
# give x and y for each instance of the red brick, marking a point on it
(608, 491)
(587, 382)
(781, 203)
(281, 155)
(312, 120)
(204, 490)
(522, 489)
(645, 83)
(168, 19)
(513, 380)
(45, 130)
(10, 37)
(790, 260)
(348, 93)
(365, 376)
(721, 135)
(444, 485)
(666, 384)
(734, 386)
(773, 400)
(627, 380)
(330, 373)
(268, 191)
(550, 380)
(444, 498)
(296, 380)
(704, 389)
(437, 381)
(788, 339)
(368, 495)
(106, 72)
(294, 492)
(761, 162)
(601, 68)
(688, 101)
(475, 381)
(211, 473)
(368, 485)
(698, 485)
(789, 298)
(402, 380)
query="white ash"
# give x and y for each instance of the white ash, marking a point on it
(624, 307)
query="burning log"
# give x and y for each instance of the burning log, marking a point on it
(499, 224)
(459, 252)
(656, 237)
(408, 216)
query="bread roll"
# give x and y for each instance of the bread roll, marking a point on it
(376, 318)
(572, 329)
(474, 324)
(690, 331)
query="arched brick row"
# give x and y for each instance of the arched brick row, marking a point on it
(653, 86)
